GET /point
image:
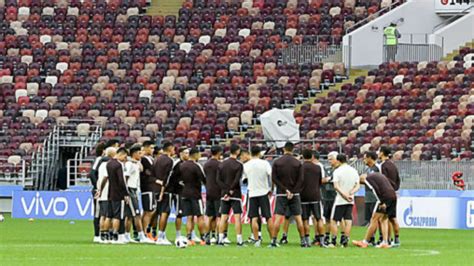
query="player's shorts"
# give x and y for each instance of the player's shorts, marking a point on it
(391, 210)
(120, 210)
(105, 209)
(234, 204)
(212, 208)
(327, 209)
(311, 208)
(192, 207)
(340, 212)
(259, 206)
(133, 204)
(163, 206)
(148, 201)
(176, 205)
(283, 204)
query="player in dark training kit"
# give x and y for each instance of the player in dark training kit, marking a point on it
(385, 207)
(161, 171)
(228, 178)
(311, 196)
(192, 176)
(147, 186)
(390, 170)
(288, 176)
(213, 194)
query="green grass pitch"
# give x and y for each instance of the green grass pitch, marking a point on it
(56, 242)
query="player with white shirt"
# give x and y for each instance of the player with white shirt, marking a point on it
(133, 168)
(258, 173)
(105, 210)
(346, 184)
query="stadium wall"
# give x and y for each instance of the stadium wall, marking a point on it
(435, 209)
(455, 34)
(366, 43)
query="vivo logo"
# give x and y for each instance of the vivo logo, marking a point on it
(58, 206)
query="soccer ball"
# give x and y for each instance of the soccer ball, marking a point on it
(181, 242)
(2, 218)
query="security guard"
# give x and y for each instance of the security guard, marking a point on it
(391, 35)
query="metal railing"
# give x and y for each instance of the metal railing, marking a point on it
(429, 174)
(374, 15)
(13, 174)
(311, 54)
(415, 47)
(453, 17)
(78, 171)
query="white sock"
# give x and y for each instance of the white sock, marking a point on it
(178, 233)
(193, 235)
(259, 234)
(221, 237)
(127, 236)
(365, 241)
(239, 239)
(161, 235)
(141, 235)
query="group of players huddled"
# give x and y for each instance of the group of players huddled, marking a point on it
(168, 182)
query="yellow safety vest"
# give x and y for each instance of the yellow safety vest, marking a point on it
(390, 36)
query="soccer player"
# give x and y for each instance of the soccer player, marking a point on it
(370, 160)
(94, 175)
(390, 170)
(174, 188)
(287, 174)
(102, 195)
(311, 196)
(133, 167)
(229, 176)
(213, 193)
(192, 176)
(328, 195)
(319, 234)
(258, 172)
(346, 184)
(385, 207)
(118, 194)
(147, 186)
(161, 171)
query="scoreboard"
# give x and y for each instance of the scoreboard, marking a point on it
(452, 6)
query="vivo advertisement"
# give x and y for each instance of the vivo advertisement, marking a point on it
(416, 208)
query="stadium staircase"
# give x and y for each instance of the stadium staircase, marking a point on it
(164, 7)
(450, 56)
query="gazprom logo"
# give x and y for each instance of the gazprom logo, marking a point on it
(418, 221)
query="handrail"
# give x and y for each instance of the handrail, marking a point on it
(449, 20)
(370, 16)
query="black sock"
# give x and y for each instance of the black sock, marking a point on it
(396, 238)
(148, 229)
(115, 236)
(96, 226)
(274, 240)
(213, 234)
(225, 234)
(284, 236)
(334, 240)
(153, 232)
(372, 239)
(189, 236)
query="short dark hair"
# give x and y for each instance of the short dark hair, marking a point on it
(156, 150)
(289, 146)
(234, 148)
(167, 145)
(385, 150)
(134, 149)
(148, 143)
(182, 149)
(341, 158)
(193, 151)
(371, 154)
(99, 149)
(307, 154)
(255, 150)
(111, 142)
(216, 150)
(122, 150)
(316, 155)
